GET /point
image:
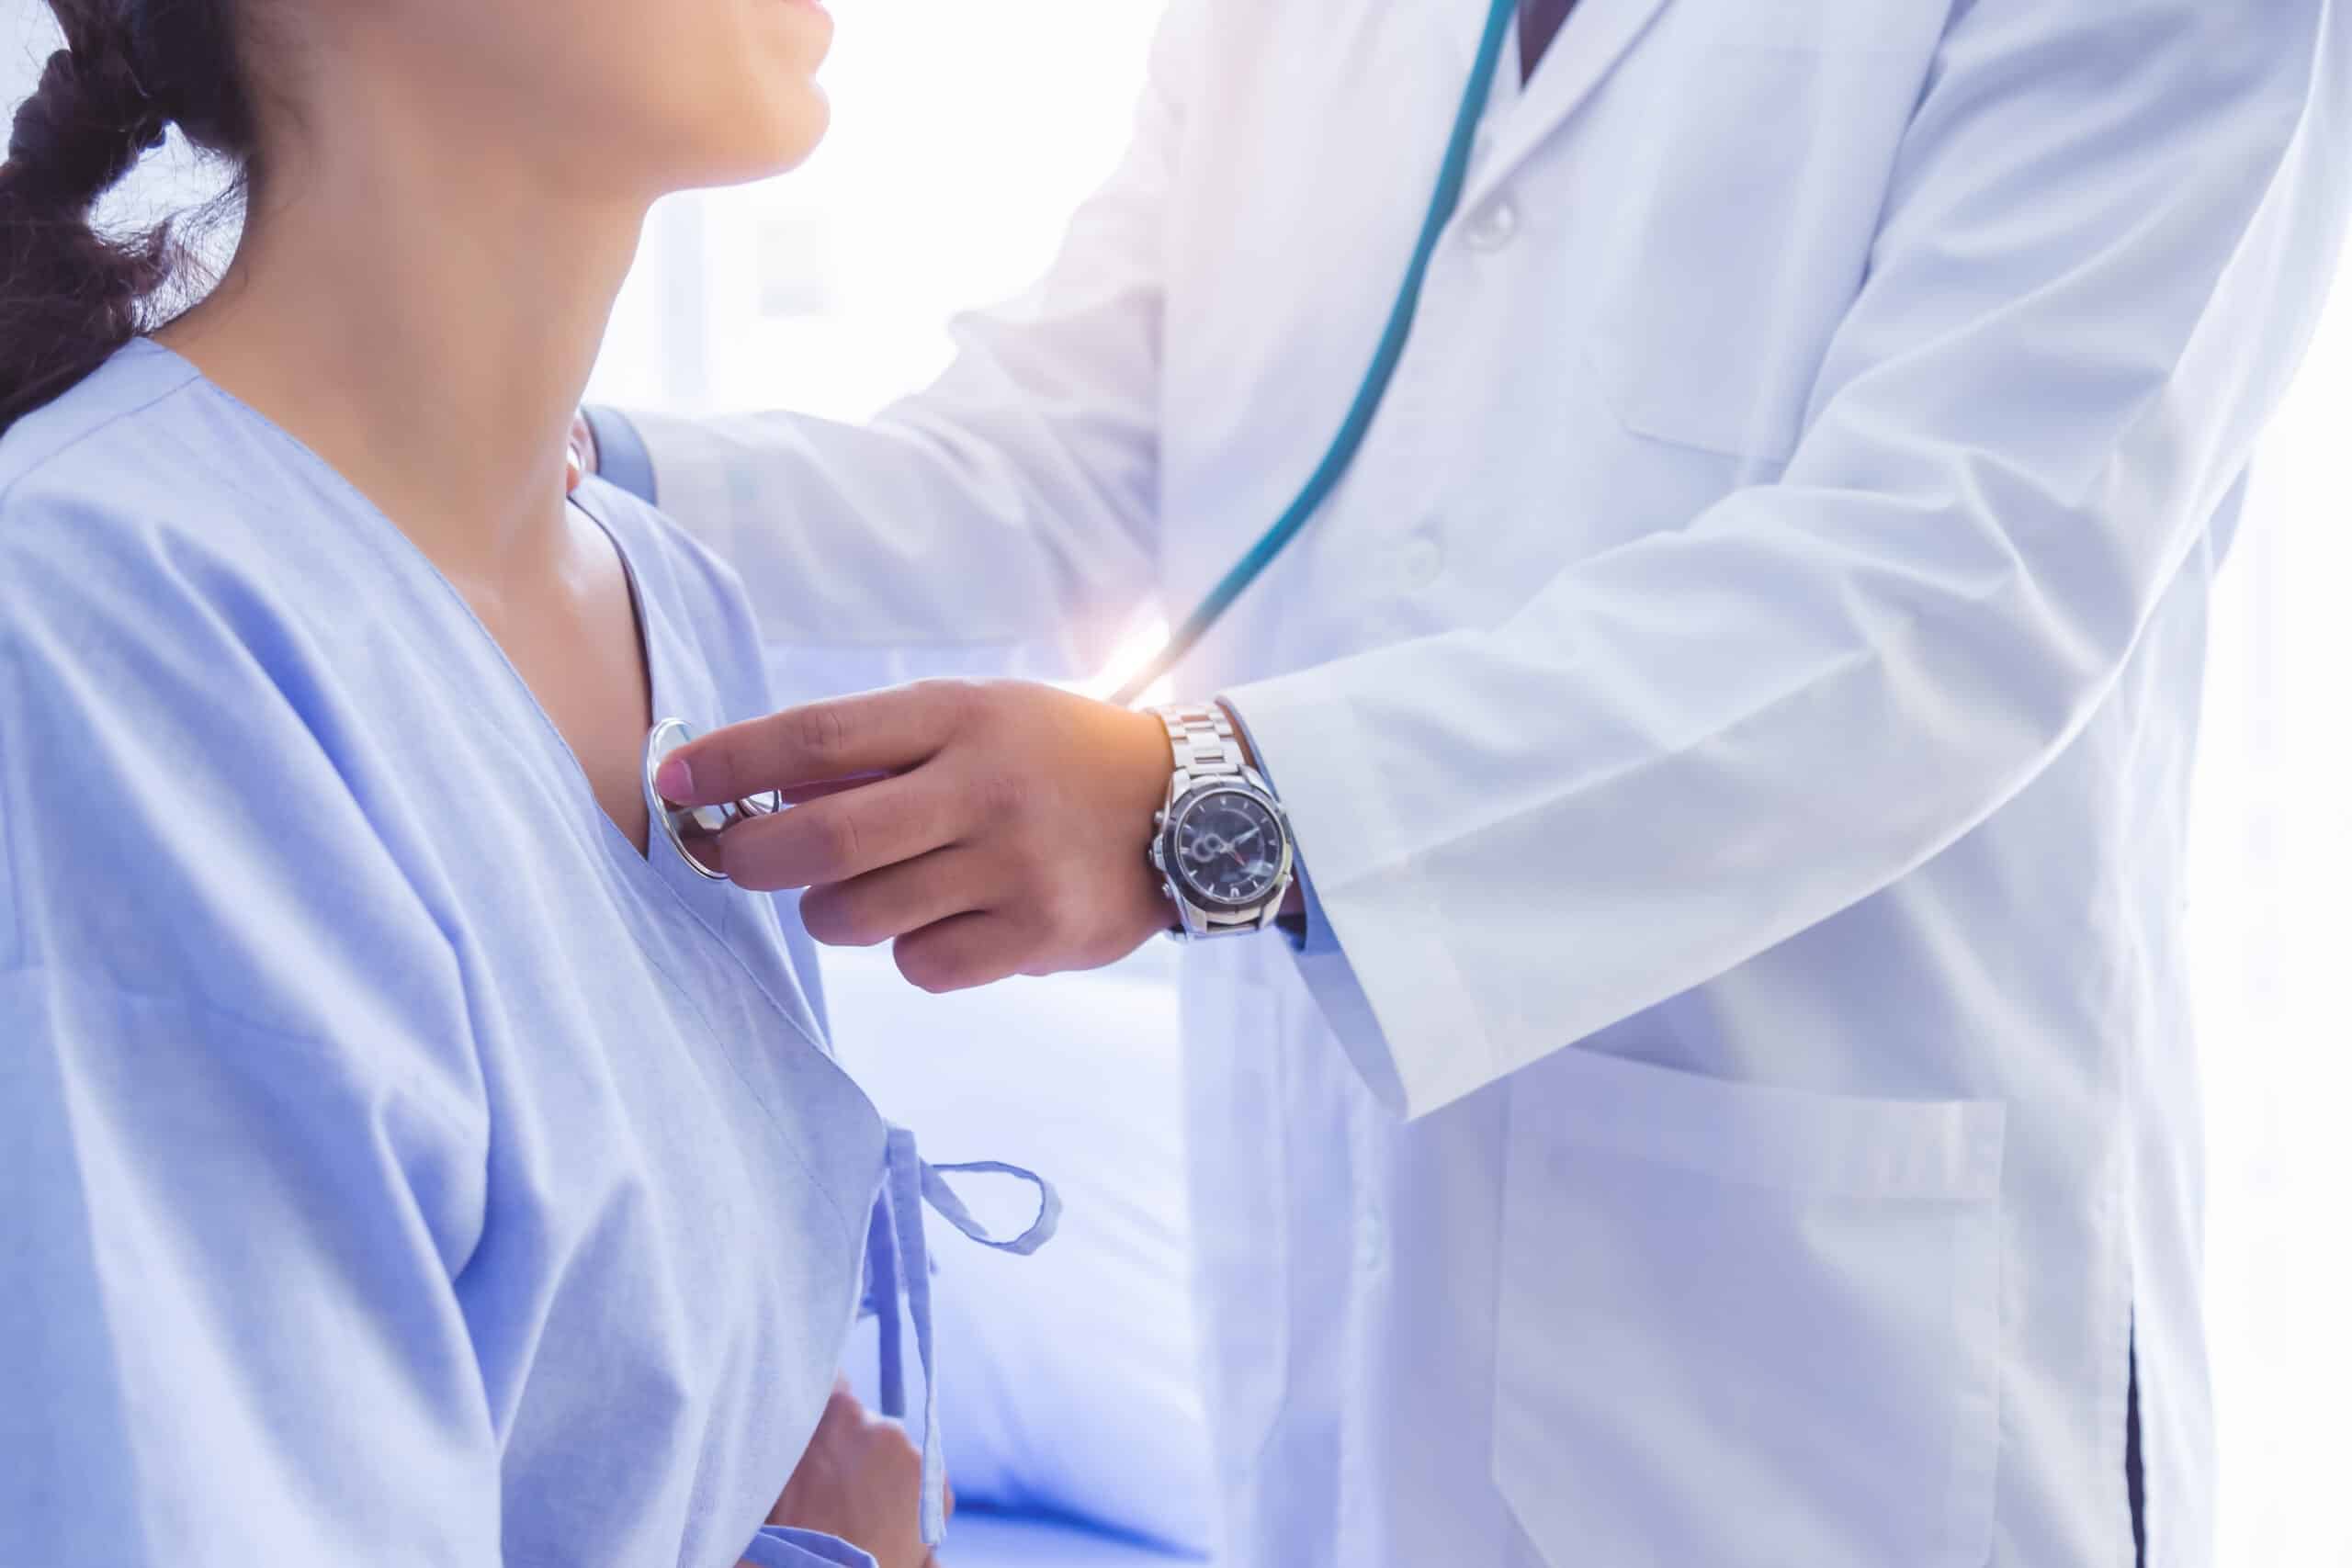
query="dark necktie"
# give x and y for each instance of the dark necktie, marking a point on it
(1539, 24)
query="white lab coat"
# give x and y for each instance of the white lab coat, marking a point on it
(1737, 716)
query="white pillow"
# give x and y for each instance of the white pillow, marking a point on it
(1066, 1380)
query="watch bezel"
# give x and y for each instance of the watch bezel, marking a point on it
(1172, 861)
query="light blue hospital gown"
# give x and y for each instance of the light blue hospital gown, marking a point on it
(395, 1167)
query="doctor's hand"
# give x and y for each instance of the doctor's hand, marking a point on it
(994, 828)
(861, 1481)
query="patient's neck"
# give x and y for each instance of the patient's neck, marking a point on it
(422, 310)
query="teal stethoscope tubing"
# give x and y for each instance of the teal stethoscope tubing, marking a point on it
(1350, 438)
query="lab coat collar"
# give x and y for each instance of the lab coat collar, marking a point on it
(1588, 48)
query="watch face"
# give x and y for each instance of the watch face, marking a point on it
(1227, 848)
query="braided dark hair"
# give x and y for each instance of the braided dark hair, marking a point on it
(69, 296)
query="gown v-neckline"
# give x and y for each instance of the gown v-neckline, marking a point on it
(401, 552)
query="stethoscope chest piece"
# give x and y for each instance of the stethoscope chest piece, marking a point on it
(693, 831)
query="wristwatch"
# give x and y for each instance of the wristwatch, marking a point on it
(1222, 843)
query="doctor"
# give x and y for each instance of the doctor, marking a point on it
(1727, 1098)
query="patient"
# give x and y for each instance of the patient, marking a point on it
(405, 1156)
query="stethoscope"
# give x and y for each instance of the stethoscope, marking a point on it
(690, 829)
(686, 825)
(1348, 438)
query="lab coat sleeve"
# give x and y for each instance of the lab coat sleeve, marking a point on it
(230, 1332)
(1013, 503)
(1324, 966)
(2108, 236)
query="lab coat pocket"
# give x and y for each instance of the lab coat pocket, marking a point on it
(1747, 1326)
(1744, 220)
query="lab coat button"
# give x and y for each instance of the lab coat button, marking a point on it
(1495, 225)
(1424, 559)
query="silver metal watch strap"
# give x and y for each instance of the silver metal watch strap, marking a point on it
(1204, 741)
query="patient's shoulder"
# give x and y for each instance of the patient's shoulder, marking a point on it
(145, 503)
(97, 429)
(174, 748)
(147, 563)
(129, 457)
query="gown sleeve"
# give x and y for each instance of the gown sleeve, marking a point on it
(241, 1134)
(776, 1547)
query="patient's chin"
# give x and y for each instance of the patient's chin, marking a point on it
(778, 137)
(802, 127)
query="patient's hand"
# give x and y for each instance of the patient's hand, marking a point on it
(861, 1480)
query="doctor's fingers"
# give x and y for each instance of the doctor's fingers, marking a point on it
(846, 835)
(871, 733)
(881, 905)
(963, 951)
